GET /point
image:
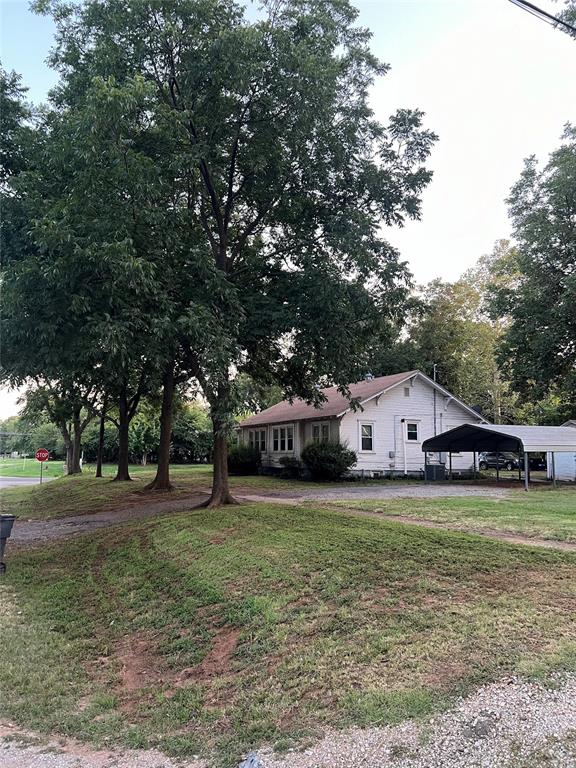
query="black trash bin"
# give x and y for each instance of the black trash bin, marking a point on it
(6, 523)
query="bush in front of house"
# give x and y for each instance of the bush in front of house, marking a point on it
(243, 460)
(291, 467)
(329, 460)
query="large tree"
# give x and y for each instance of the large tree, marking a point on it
(539, 346)
(450, 333)
(281, 167)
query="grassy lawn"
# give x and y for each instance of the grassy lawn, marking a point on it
(213, 632)
(30, 468)
(545, 513)
(87, 494)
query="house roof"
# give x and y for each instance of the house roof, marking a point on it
(503, 437)
(336, 403)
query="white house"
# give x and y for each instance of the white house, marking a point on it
(394, 415)
(564, 463)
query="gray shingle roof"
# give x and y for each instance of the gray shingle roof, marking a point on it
(336, 403)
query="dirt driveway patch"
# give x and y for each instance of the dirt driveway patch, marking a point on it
(36, 531)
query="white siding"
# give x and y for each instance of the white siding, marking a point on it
(564, 463)
(389, 416)
(565, 466)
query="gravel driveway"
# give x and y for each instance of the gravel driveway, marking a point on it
(392, 491)
(511, 724)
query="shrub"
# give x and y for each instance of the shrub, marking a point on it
(291, 467)
(243, 460)
(329, 460)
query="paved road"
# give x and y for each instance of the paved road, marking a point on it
(11, 482)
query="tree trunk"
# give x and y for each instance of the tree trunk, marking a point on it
(162, 480)
(122, 472)
(76, 443)
(101, 439)
(69, 456)
(220, 488)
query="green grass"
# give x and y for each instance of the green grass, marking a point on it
(30, 468)
(267, 624)
(87, 494)
(544, 513)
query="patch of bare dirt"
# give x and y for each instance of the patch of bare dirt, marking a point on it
(139, 667)
(222, 536)
(446, 673)
(217, 660)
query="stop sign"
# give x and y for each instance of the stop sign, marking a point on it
(42, 454)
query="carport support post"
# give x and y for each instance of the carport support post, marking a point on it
(450, 465)
(426, 467)
(526, 470)
(475, 473)
(553, 469)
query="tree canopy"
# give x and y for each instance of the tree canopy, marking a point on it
(209, 200)
(538, 351)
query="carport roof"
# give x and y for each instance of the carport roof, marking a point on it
(503, 437)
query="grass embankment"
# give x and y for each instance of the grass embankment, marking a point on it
(541, 513)
(217, 631)
(87, 494)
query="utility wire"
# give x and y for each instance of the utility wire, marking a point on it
(543, 15)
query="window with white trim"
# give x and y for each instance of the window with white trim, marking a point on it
(366, 437)
(282, 439)
(257, 439)
(321, 432)
(412, 431)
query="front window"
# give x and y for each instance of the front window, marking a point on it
(257, 439)
(366, 437)
(412, 431)
(283, 439)
(320, 433)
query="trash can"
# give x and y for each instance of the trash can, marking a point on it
(435, 472)
(6, 523)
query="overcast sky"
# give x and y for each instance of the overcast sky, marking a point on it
(497, 85)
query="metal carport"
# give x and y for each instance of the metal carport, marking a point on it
(503, 437)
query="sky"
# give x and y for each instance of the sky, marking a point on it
(497, 85)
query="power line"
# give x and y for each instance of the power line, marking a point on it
(543, 15)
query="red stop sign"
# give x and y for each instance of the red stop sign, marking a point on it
(42, 454)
